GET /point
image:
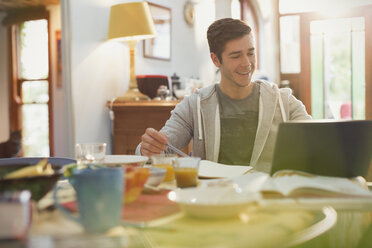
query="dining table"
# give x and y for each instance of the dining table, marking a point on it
(153, 220)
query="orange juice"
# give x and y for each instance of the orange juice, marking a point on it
(169, 174)
(186, 177)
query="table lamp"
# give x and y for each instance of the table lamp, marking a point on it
(131, 22)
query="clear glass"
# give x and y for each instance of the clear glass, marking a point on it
(33, 40)
(86, 153)
(35, 126)
(338, 68)
(290, 44)
(186, 171)
(165, 161)
(35, 92)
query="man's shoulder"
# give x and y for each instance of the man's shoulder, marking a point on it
(206, 91)
(273, 87)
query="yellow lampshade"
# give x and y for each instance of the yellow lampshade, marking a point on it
(131, 21)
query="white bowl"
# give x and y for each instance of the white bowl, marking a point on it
(180, 93)
(213, 202)
(113, 160)
(156, 176)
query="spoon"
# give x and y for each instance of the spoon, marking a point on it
(176, 150)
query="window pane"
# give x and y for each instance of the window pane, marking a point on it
(337, 74)
(338, 68)
(358, 74)
(34, 49)
(35, 130)
(35, 92)
(317, 94)
(290, 44)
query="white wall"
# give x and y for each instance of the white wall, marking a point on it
(190, 54)
(4, 106)
(269, 43)
(99, 70)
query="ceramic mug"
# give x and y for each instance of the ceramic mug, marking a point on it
(99, 195)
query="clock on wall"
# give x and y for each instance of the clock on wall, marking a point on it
(189, 13)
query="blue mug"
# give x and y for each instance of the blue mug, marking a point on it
(100, 198)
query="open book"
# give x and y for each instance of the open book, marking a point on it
(296, 184)
(209, 169)
(300, 184)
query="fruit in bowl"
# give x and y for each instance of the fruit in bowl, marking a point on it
(135, 179)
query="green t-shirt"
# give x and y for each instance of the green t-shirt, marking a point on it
(239, 120)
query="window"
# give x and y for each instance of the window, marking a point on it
(32, 66)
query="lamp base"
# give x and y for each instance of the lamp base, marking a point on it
(132, 95)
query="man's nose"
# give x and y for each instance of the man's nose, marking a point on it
(246, 61)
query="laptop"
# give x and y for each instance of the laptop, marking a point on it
(329, 148)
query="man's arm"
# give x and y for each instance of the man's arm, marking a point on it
(177, 131)
(296, 108)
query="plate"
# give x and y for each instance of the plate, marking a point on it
(214, 202)
(112, 160)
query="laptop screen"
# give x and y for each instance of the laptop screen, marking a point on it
(329, 148)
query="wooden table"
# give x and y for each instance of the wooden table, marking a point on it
(132, 118)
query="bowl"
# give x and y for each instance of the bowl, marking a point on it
(213, 202)
(39, 186)
(180, 93)
(149, 84)
(132, 160)
(156, 176)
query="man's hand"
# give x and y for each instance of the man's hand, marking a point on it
(153, 142)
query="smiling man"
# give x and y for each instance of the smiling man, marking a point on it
(236, 121)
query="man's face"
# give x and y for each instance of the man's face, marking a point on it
(238, 62)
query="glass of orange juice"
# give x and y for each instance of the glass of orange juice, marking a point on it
(165, 161)
(186, 171)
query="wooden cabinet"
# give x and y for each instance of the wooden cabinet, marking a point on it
(132, 118)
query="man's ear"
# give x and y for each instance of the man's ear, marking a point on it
(215, 60)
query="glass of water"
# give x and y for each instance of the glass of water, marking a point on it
(86, 153)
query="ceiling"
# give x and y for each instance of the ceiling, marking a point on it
(6, 5)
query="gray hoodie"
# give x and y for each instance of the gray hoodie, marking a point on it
(197, 117)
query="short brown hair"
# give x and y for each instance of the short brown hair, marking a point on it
(224, 30)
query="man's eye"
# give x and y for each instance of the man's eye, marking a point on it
(235, 57)
(250, 54)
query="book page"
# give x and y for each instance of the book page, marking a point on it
(209, 169)
(291, 185)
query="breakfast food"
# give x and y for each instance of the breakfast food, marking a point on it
(135, 179)
(39, 169)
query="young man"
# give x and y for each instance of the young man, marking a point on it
(235, 121)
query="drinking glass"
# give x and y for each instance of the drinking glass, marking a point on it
(165, 161)
(90, 153)
(186, 171)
